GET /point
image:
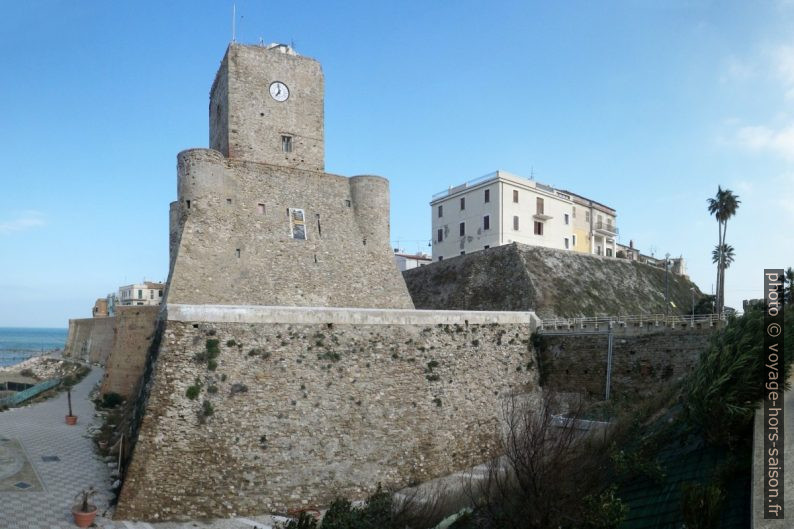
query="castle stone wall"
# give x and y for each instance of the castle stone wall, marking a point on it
(90, 339)
(134, 331)
(304, 412)
(641, 364)
(231, 250)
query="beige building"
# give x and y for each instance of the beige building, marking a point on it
(501, 208)
(594, 226)
(100, 309)
(146, 293)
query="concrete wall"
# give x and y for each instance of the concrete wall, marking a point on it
(90, 339)
(346, 260)
(547, 281)
(134, 331)
(328, 409)
(641, 364)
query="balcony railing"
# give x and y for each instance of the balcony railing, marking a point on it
(605, 226)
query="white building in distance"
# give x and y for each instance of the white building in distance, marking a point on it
(146, 293)
(502, 208)
(406, 261)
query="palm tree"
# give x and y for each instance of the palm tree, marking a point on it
(723, 206)
(788, 296)
(725, 253)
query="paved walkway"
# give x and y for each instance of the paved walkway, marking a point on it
(43, 433)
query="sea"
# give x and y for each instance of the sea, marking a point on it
(17, 344)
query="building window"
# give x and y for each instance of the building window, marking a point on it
(187, 202)
(567, 219)
(538, 228)
(609, 252)
(140, 294)
(462, 203)
(160, 293)
(539, 206)
(440, 234)
(487, 195)
(228, 201)
(573, 240)
(574, 213)
(151, 294)
(440, 257)
(515, 196)
(486, 247)
(260, 208)
(462, 253)
(286, 143)
(486, 222)
(515, 222)
(440, 211)
(462, 229)
(566, 243)
(297, 220)
(587, 216)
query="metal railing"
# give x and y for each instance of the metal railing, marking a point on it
(643, 320)
(605, 226)
(465, 185)
(31, 392)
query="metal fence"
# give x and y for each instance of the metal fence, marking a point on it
(32, 391)
(644, 320)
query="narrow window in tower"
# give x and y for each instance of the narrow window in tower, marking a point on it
(187, 202)
(237, 251)
(487, 195)
(319, 229)
(286, 143)
(348, 203)
(486, 222)
(260, 208)
(440, 237)
(228, 201)
(462, 229)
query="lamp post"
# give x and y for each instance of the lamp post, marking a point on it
(692, 289)
(667, 284)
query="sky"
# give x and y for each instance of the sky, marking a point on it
(644, 106)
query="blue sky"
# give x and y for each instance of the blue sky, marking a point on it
(645, 106)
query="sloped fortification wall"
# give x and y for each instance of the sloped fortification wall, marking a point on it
(134, 332)
(547, 281)
(641, 364)
(90, 339)
(232, 243)
(303, 412)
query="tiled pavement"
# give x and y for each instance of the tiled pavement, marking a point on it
(43, 432)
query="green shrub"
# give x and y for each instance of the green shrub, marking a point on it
(193, 392)
(212, 365)
(230, 343)
(207, 409)
(213, 348)
(27, 373)
(701, 505)
(376, 513)
(304, 521)
(212, 389)
(111, 400)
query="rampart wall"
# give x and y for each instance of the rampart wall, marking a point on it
(134, 331)
(90, 339)
(641, 363)
(322, 403)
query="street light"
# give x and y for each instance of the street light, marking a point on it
(667, 284)
(692, 289)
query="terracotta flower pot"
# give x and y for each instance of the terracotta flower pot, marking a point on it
(71, 420)
(84, 519)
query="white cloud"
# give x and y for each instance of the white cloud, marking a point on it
(25, 221)
(760, 138)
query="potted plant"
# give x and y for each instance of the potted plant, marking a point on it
(83, 511)
(70, 419)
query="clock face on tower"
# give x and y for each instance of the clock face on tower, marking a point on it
(279, 91)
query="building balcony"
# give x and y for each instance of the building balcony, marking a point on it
(541, 217)
(605, 228)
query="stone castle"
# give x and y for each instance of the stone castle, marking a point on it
(289, 366)
(257, 221)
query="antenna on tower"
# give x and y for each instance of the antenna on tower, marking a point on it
(532, 173)
(234, 21)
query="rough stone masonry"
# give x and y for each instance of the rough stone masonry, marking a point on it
(290, 366)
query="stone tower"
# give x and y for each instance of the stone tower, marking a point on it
(257, 221)
(266, 105)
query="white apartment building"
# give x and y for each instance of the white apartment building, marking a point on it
(501, 208)
(146, 293)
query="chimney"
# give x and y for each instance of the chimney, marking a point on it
(631, 244)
